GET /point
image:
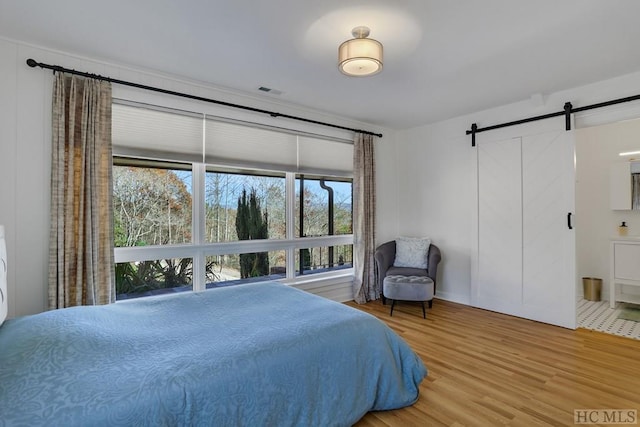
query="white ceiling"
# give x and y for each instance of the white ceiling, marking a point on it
(443, 58)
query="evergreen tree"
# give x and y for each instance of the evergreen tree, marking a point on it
(252, 224)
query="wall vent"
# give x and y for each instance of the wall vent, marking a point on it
(269, 90)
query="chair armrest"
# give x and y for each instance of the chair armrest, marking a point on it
(385, 255)
(432, 263)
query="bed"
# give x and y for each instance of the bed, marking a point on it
(262, 354)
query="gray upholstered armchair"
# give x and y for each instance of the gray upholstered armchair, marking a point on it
(385, 255)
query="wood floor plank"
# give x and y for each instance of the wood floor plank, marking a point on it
(490, 369)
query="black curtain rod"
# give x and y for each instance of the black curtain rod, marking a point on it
(33, 63)
(568, 110)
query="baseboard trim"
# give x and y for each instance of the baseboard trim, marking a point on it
(336, 289)
(460, 299)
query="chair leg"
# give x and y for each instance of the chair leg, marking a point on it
(384, 300)
(430, 303)
(393, 302)
(424, 313)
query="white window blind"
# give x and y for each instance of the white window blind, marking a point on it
(165, 134)
(153, 133)
(318, 156)
(239, 145)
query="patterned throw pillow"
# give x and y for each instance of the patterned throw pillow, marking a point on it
(412, 252)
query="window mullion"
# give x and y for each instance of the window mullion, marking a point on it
(290, 206)
(198, 238)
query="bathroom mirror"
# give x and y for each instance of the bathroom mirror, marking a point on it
(625, 185)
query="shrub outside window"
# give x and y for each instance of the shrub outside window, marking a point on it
(154, 277)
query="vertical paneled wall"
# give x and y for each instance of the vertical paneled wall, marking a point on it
(24, 171)
(8, 130)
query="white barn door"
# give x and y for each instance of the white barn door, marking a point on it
(526, 250)
(548, 244)
(499, 226)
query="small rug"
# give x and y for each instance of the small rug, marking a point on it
(630, 313)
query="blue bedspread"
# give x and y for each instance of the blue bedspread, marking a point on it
(258, 354)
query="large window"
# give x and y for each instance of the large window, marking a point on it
(185, 220)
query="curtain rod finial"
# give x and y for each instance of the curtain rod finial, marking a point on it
(32, 63)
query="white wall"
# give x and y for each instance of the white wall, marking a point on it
(387, 200)
(24, 173)
(437, 172)
(25, 138)
(435, 186)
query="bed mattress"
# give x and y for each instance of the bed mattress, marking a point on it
(262, 354)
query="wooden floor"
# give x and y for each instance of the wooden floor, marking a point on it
(489, 369)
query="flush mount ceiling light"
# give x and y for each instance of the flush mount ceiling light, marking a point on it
(360, 56)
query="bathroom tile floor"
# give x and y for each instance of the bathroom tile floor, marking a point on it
(597, 316)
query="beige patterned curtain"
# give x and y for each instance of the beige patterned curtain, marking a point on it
(364, 219)
(80, 246)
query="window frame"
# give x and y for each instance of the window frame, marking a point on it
(199, 248)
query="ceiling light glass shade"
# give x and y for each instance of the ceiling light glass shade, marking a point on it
(360, 57)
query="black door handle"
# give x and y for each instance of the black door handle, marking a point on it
(569, 221)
